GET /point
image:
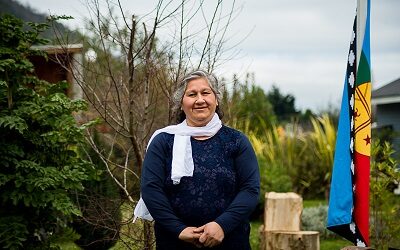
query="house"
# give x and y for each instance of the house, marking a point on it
(386, 111)
(63, 63)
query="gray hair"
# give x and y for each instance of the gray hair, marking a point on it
(211, 79)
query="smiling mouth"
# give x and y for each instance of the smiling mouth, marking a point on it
(200, 109)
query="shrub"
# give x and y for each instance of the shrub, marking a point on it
(39, 137)
(384, 204)
(314, 219)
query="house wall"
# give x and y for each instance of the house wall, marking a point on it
(389, 115)
(49, 70)
(61, 64)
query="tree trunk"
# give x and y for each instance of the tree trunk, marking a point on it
(147, 235)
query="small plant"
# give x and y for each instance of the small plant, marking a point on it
(385, 205)
(314, 219)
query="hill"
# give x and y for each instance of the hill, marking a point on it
(28, 14)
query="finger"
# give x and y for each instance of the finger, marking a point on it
(196, 236)
(199, 229)
(209, 243)
(203, 238)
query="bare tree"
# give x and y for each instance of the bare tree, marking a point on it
(138, 62)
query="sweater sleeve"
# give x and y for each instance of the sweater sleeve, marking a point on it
(249, 187)
(152, 187)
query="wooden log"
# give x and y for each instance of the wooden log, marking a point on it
(261, 236)
(282, 211)
(291, 240)
(356, 248)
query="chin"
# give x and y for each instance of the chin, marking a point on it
(200, 121)
(203, 118)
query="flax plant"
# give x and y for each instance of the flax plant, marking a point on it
(303, 158)
(277, 149)
(322, 146)
(323, 137)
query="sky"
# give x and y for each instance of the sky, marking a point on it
(300, 46)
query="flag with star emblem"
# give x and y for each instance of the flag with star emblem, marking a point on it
(348, 212)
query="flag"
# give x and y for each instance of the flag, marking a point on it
(348, 211)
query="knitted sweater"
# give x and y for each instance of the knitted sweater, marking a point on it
(224, 188)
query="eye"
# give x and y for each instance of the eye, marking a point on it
(191, 94)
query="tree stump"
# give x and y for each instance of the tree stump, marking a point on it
(291, 240)
(282, 211)
(355, 248)
(282, 221)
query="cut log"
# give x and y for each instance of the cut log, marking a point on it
(282, 211)
(356, 248)
(261, 236)
(291, 240)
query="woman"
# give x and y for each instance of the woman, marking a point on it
(200, 179)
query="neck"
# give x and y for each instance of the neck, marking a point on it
(201, 138)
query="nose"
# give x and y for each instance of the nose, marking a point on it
(200, 99)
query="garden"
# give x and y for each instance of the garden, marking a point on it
(70, 169)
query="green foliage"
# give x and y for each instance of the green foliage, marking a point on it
(272, 176)
(39, 164)
(283, 105)
(100, 204)
(13, 232)
(385, 205)
(318, 158)
(314, 203)
(291, 158)
(314, 219)
(255, 234)
(248, 106)
(275, 179)
(64, 239)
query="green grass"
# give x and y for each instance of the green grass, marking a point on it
(254, 235)
(333, 244)
(314, 203)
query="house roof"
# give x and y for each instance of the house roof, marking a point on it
(389, 93)
(55, 49)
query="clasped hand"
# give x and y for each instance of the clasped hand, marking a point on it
(208, 235)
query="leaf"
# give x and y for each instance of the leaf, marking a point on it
(13, 122)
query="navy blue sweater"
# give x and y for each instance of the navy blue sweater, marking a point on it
(224, 188)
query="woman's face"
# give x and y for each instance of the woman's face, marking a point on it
(199, 102)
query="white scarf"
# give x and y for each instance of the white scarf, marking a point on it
(182, 160)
